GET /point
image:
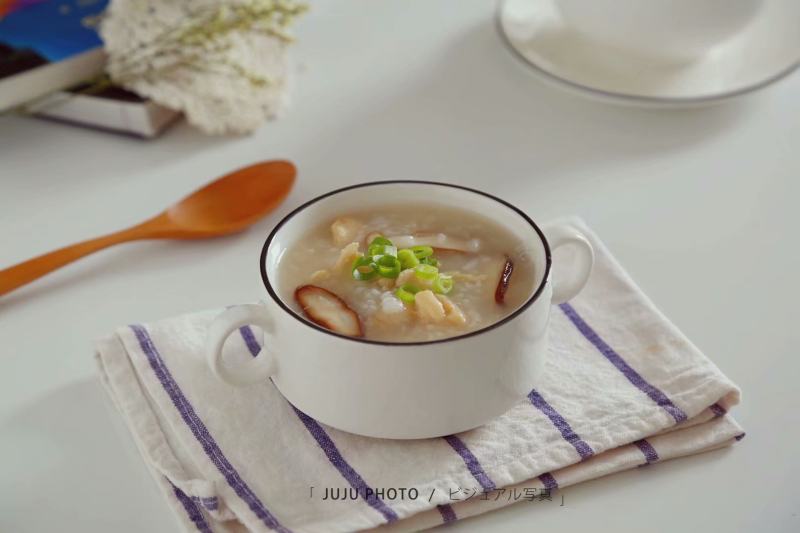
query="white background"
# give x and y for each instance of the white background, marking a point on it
(701, 206)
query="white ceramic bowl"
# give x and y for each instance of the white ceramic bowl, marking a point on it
(402, 390)
(679, 30)
(655, 53)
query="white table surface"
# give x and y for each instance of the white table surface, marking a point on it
(701, 206)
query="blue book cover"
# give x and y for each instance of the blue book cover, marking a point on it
(40, 32)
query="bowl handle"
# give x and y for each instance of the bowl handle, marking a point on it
(262, 366)
(569, 286)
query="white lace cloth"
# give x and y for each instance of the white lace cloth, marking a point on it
(212, 98)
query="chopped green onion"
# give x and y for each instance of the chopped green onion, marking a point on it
(407, 293)
(388, 266)
(443, 284)
(407, 258)
(426, 272)
(422, 251)
(381, 246)
(381, 240)
(364, 269)
(430, 260)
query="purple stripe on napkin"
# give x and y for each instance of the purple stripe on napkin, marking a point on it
(328, 446)
(344, 468)
(615, 359)
(718, 410)
(471, 461)
(250, 340)
(447, 512)
(209, 503)
(201, 432)
(549, 481)
(650, 454)
(194, 512)
(583, 449)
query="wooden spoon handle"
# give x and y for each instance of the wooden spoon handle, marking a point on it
(27, 271)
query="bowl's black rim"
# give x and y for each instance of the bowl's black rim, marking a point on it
(504, 320)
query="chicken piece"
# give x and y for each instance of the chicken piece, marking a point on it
(405, 277)
(436, 240)
(345, 230)
(453, 313)
(385, 283)
(346, 257)
(429, 308)
(408, 277)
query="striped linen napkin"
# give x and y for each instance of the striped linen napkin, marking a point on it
(622, 388)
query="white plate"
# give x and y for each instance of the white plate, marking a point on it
(768, 50)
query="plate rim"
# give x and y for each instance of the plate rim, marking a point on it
(633, 98)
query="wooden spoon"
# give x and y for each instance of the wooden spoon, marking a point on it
(227, 205)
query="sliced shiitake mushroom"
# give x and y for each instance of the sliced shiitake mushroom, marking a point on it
(325, 308)
(502, 283)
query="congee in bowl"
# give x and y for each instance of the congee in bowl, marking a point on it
(406, 273)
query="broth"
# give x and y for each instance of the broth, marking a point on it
(481, 275)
